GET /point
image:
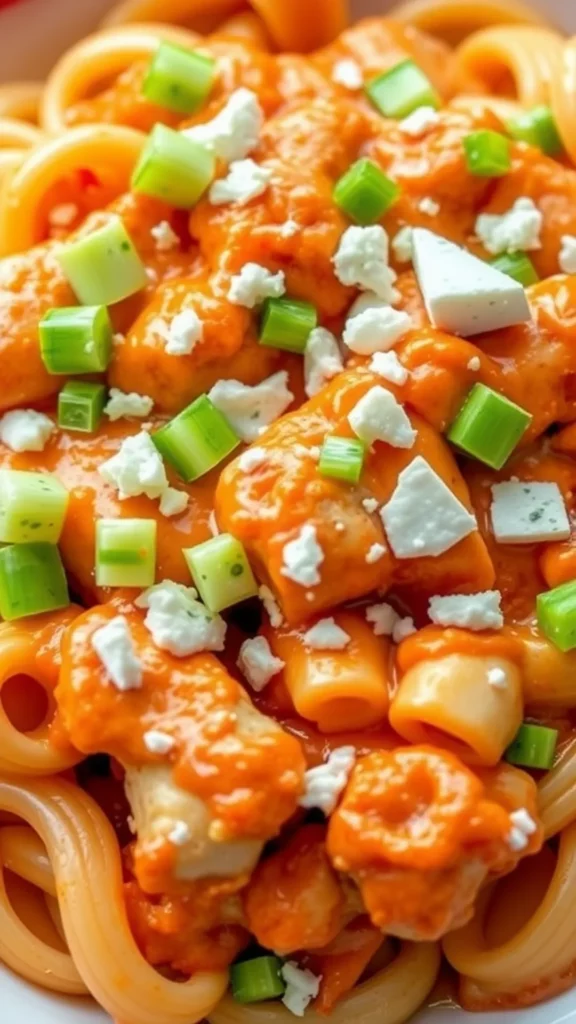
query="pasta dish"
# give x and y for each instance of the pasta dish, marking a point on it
(287, 507)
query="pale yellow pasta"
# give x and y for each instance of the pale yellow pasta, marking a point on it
(543, 948)
(452, 701)
(97, 60)
(113, 149)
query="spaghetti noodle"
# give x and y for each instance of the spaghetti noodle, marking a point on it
(227, 361)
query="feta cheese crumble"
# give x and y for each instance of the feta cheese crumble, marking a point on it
(289, 228)
(370, 504)
(361, 260)
(567, 255)
(245, 181)
(525, 512)
(254, 284)
(468, 611)
(302, 557)
(62, 215)
(382, 618)
(301, 987)
(402, 628)
(180, 834)
(474, 363)
(252, 459)
(271, 606)
(322, 360)
(25, 430)
(250, 409)
(115, 649)
(402, 244)
(523, 826)
(173, 502)
(463, 294)
(136, 469)
(497, 678)
(388, 366)
(423, 517)
(429, 206)
(158, 742)
(379, 417)
(375, 553)
(165, 238)
(518, 229)
(123, 404)
(419, 122)
(235, 131)
(375, 329)
(347, 72)
(325, 783)
(182, 333)
(326, 635)
(257, 663)
(178, 622)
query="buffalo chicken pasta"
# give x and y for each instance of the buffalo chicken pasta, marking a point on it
(287, 492)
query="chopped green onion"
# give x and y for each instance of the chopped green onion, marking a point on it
(179, 79)
(533, 746)
(253, 981)
(488, 426)
(76, 339)
(221, 572)
(402, 89)
(103, 267)
(32, 507)
(537, 127)
(173, 167)
(487, 154)
(556, 613)
(365, 192)
(196, 440)
(125, 552)
(287, 324)
(517, 265)
(32, 580)
(342, 458)
(80, 406)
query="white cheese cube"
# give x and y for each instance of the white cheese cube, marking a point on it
(525, 512)
(462, 294)
(468, 611)
(235, 131)
(423, 517)
(325, 783)
(379, 417)
(257, 662)
(249, 410)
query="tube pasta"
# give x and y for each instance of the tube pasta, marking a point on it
(392, 995)
(63, 922)
(451, 699)
(542, 948)
(338, 690)
(84, 856)
(288, 24)
(452, 20)
(110, 147)
(97, 59)
(202, 14)
(28, 753)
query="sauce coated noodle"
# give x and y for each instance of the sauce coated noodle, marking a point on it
(417, 843)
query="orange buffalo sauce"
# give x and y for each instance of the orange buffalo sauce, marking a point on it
(249, 780)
